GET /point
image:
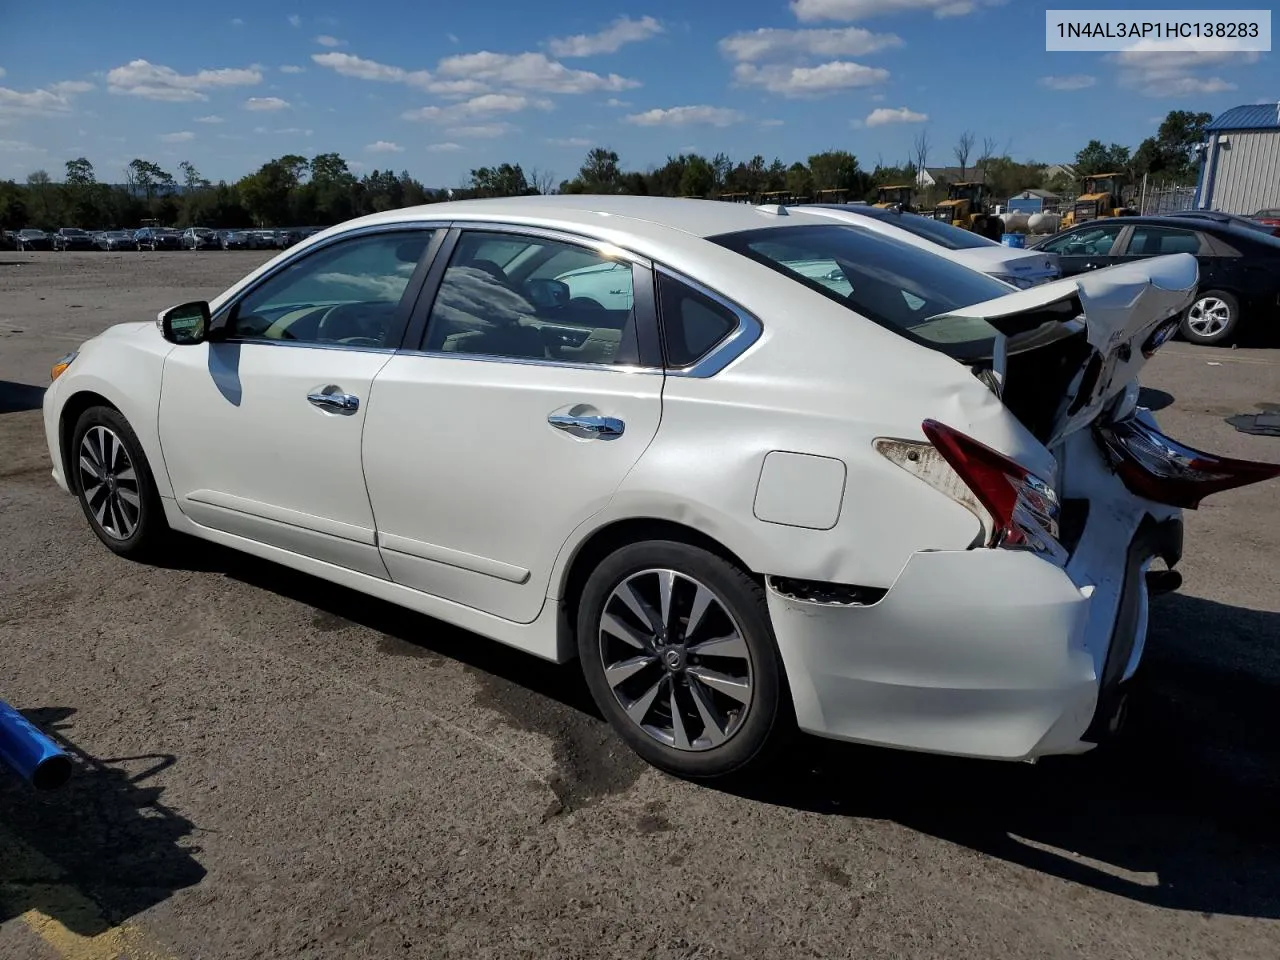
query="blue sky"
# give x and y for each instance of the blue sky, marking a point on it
(439, 89)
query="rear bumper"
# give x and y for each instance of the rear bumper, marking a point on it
(982, 653)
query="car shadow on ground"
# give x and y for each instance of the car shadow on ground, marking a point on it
(1180, 811)
(16, 397)
(98, 851)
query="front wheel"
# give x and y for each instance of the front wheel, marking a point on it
(1212, 320)
(679, 655)
(113, 482)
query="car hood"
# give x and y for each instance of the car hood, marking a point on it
(1121, 308)
(1009, 261)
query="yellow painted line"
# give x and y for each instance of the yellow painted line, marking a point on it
(29, 877)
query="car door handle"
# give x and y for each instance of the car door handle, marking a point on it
(602, 428)
(335, 401)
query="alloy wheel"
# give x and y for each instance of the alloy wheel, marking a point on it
(675, 659)
(109, 483)
(1209, 317)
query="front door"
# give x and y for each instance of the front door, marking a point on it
(516, 422)
(261, 432)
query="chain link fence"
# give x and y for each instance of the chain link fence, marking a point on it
(1160, 198)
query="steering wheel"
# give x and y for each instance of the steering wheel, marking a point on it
(362, 322)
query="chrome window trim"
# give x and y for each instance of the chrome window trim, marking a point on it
(531, 361)
(303, 344)
(300, 251)
(730, 347)
(614, 251)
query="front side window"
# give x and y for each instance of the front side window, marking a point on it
(1092, 241)
(533, 298)
(346, 293)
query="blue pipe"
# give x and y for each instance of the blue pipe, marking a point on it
(31, 754)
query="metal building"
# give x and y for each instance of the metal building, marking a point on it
(1240, 169)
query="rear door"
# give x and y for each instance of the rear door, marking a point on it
(536, 387)
(1088, 247)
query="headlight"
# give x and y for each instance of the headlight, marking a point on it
(61, 364)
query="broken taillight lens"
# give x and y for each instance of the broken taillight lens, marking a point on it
(1163, 470)
(1023, 508)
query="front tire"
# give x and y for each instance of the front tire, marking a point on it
(1212, 320)
(114, 484)
(679, 654)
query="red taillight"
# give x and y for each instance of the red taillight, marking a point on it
(1023, 507)
(1164, 471)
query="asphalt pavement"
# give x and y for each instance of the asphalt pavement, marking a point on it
(271, 766)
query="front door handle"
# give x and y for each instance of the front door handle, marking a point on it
(346, 402)
(600, 428)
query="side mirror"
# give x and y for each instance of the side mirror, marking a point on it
(186, 324)
(547, 294)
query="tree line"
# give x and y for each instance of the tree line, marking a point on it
(294, 190)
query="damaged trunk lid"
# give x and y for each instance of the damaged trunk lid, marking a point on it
(1062, 351)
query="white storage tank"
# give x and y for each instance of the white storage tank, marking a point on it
(1044, 223)
(1015, 221)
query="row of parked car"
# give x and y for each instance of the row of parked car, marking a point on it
(155, 238)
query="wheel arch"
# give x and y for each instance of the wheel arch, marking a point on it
(72, 409)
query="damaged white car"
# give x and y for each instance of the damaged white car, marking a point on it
(753, 469)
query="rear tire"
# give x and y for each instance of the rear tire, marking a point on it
(1212, 320)
(702, 701)
(112, 480)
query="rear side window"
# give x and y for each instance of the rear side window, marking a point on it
(692, 322)
(1156, 241)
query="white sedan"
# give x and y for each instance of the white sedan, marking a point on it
(1020, 268)
(755, 470)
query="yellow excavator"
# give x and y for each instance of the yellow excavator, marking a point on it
(896, 197)
(1101, 198)
(967, 206)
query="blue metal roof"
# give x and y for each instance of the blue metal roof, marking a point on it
(1259, 116)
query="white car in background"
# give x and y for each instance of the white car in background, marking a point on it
(904, 505)
(1020, 268)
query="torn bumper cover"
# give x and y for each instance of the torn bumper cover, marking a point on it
(981, 653)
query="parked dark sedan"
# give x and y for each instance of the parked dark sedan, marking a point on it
(158, 238)
(236, 240)
(32, 239)
(1239, 265)
(72, 238)
(199, 238)
(112, 240)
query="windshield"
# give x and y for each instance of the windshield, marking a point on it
(935, 231)
(892, 283)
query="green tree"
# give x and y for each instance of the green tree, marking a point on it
(1096, 158)
(799, 181)
(80, 173)
(699, 177)
(600, 172)
(837, 170)
(504, 180)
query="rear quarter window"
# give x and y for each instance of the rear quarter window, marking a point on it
(692, 322)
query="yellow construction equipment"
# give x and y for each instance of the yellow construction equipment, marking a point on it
(967, 206)
(896, 197)
(1101, 198)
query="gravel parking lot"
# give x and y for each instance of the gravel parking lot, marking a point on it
(272, 766)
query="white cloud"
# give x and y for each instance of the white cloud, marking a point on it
(809, 81)
(182, 136)
(19, 146)
(266, 103)
(773, 44)
(140, 78)
(292, 68)
(2, 72)
(886, 115)
(384, 146)
(327, 41)
(1075, 81)
(685, 116)
(295, 20)
(622, 31)
(71, 86)
(362, 69)
(772, 123)
(529, 71)
(33, 103)
(282, 131)
(485, 105)
(237, 22)
(212, 118)
(807, 11)
(457, 88)
(452, 37)
(481, 131)
(1170, 70)
(615, 102)
(569, 141)
(447, 147)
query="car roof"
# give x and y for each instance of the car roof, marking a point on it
(640, 216)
